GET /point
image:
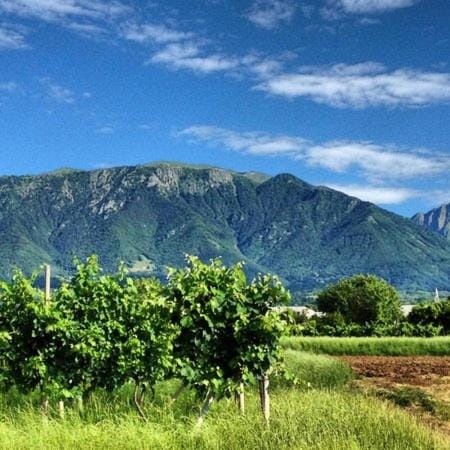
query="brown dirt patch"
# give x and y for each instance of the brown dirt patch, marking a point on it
(416, 371)
(430, 374)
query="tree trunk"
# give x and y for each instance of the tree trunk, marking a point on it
(137, 401)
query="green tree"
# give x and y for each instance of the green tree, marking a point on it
(361, 299)
(436, 314)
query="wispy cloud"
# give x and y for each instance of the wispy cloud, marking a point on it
(148, 32)
(52, 10)
(255, 143)
(56, 92)
(362, 85)
(368, 6)
(105, 130)
(10, 86)
(377, 194)
(11, 38)
(190, 55)
(92, 18)
(270, 14)
(375, 162)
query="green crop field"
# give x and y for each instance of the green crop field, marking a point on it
(320, 413)
(386, 346)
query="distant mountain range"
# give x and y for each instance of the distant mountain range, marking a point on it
(437, 220)
(150, 216)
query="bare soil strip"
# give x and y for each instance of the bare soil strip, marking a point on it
(416, 371)
(430, 374)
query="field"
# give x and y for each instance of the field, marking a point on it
(326, 410)
(386, 346)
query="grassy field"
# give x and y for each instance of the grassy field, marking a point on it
(322, 413)
(392, 346)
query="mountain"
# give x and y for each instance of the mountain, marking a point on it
(151, 216)
(437, 220)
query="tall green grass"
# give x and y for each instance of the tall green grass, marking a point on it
(316, 371)
(300, 420)
(319, 414)
(391, 346)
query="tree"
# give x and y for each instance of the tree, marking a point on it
(361, 299)
(436, 314)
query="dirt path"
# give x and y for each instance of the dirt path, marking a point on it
(416, 371)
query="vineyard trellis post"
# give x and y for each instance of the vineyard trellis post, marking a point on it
(241, 398)
(264, 396)
(48, 277)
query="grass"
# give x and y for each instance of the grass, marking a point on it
(407, 396)
(371, 346)
(315, 419)
(321, 414)
(316, 371)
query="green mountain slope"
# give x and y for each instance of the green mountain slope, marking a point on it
(151, 216)
(437, 220)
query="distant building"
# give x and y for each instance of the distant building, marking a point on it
(406, 309)
(304, 310)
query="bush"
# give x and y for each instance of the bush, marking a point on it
(365, 300)
(229, 329)
(432, 314)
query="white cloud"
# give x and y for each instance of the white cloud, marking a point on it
(370, 6)
(11, 39)
(255, 143)
(91, 18)
(361, 85)
(105, 130)
(376, 194)
(375, 162)
(153, 33)
(52, 10)
(56, 92)
(189, 55)
(270, 14)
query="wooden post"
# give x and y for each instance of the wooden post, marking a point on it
(61, 409)
(80, 404)
(47, 283)
(205, 408)
(241, 399)
(265, 399)
(44, 405)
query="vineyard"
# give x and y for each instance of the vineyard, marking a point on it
(207, 327)
(110, 361)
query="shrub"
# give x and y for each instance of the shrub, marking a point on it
(435, 314)
(229, 330)
(362, 300)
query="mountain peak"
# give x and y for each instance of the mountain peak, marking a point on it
(437, 220)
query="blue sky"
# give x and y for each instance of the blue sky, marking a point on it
(353, 94)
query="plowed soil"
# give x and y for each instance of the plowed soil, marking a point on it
(418, 370)
(430, 374)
